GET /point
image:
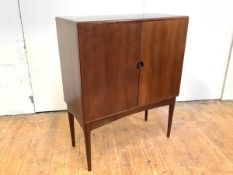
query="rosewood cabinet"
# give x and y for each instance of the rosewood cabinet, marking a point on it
(113, 66)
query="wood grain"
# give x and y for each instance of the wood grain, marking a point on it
(70, 65)
(201, 143)
(162, 51)
(108, 54)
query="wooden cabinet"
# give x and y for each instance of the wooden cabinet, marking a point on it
(115, 66)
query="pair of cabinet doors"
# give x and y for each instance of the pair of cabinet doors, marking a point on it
(129, 64)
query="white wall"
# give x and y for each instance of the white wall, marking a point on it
(228, 88)
(14, 78)
(208, 44)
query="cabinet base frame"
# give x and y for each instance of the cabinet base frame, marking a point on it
(100, 122)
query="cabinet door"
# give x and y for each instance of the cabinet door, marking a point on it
(162, 51)
(108, 53)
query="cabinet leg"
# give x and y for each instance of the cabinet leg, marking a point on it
(72, 130)
(146, 115)
(170, 117)
(87, 135)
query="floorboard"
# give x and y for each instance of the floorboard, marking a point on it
(201, 142)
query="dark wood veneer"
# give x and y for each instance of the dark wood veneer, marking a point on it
(161, 77)
(109, 76)
(113, 68)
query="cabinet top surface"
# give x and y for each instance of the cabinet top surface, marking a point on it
(117, 18)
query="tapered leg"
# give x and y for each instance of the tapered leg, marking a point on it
(87, 134)
(171, 110)
(146, 115)
(72, 130)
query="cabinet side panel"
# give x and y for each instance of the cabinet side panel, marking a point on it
(163, 45)
(70, 66)
(108, 53)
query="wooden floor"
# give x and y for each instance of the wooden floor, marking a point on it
(201, 142)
